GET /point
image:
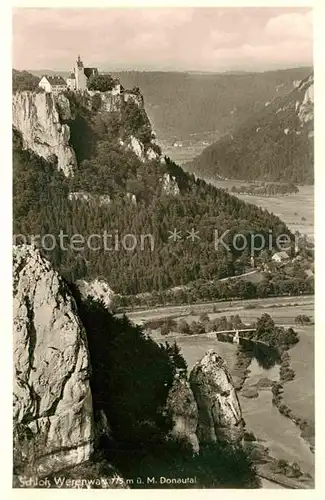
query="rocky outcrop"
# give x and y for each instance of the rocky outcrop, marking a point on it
(219, 412)
(306, 108)
(106, 101)
(169, 185)
(85, 196)
(53, 415)
(139, 150)
(132, 198)
(182, 407)
(36, 117)
(97, 289)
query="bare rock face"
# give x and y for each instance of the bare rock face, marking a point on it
(306, 107)
(183, 409)
(53, 415)
(220, 416)
(107, 101)
(36, 117)
(97, 289)
(87, 197)
(169, 185)
(138, 148)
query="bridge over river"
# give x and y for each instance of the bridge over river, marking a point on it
(235, 337)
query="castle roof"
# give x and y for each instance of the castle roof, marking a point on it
(90, 71)
(55, 80)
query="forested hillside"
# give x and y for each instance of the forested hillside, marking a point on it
(42, 206)
(275, 144)
(182, 104)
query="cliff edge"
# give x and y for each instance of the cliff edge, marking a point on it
(36, 117)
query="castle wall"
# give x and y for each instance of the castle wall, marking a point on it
(71, 83)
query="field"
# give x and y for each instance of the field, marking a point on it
(299, 393)
(228, 307)
(181, 155)
(291, 209)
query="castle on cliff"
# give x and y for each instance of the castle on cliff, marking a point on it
(79, 76)
(77, 82)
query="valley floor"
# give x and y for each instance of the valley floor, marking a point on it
(296, 210)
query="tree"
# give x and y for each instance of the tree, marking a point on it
(204, 317)
(131, 375)
(197, 328)
(165, 329)
(283, 465)
(296, 470)
(96, 102)
(103, 83)
(184, 327)
(22, 80)
(290, 337)
(176, 357)
(264, 325)
(302, 319)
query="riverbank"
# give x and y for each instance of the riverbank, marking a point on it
(307, 430)
(280, 480)
(277, 440)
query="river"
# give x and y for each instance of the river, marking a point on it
(277, 432)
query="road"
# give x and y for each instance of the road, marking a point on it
(138, 316)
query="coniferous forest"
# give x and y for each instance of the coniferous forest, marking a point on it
(41, 206)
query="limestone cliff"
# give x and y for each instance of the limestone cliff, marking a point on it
(36, 117)
(53, 415)
(45, 121)
(305, 108)
(106, 101)
(183, 409)
(219, 412)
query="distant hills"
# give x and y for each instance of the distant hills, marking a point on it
(274, 144)
(182, 104)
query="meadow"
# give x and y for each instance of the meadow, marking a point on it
(296, 210)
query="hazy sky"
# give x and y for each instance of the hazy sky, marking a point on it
(212, 39)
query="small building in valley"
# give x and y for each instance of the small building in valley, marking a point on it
(54, 84)
(280, 257)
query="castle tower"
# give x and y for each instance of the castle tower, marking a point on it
(79, 71)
